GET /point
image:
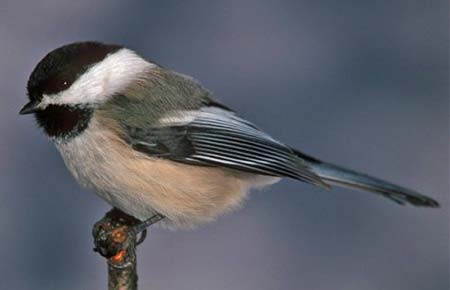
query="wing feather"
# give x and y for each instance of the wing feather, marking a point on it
(220, 138)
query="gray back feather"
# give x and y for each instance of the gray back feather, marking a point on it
(159, 93)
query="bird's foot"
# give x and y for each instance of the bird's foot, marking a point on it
(115, 236)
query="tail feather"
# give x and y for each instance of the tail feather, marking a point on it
(337, 175)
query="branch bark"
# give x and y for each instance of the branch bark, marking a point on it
(115, 239)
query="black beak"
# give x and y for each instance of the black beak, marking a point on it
(31, 107)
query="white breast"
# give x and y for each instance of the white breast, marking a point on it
(140, 185)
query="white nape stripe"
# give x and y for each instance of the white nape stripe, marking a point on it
(110, 76)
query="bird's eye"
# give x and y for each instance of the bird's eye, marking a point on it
(56, 84)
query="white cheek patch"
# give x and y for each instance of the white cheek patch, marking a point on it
(106, 78)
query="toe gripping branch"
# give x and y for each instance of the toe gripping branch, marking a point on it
(115, 238)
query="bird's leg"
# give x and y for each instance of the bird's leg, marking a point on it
(142, 226)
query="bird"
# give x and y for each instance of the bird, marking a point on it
(152, 141)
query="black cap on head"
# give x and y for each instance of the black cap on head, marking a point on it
(61, 67)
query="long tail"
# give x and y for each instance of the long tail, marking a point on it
(337, 175)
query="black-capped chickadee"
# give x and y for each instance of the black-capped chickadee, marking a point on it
(152, 141)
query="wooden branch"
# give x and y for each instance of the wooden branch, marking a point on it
(115, 239)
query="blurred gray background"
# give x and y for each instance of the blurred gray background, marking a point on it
(359, 83)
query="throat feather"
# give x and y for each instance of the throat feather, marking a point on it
(63, 121)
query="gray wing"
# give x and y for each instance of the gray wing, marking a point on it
(216, 137)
